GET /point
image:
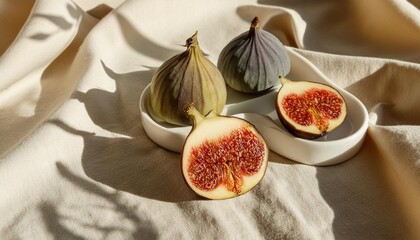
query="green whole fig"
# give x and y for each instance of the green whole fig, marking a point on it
(253, 61)
(187, 79)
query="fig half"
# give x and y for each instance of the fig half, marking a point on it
(309, 110)
(222, 157)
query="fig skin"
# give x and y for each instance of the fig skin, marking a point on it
(296, 132)
(252, 61)
(217, 124)
(300, 133)
(185, 79)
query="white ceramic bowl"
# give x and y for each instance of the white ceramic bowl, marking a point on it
(337, 146)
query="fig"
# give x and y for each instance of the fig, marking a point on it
(309, 110)
(222, 157)
(253, 61)
(185, 79)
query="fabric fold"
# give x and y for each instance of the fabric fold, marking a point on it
(76, 162)
(33, 84)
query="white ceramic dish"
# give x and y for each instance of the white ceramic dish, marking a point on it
(335, 147)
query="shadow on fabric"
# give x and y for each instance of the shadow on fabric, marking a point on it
(365, 192)
(354, 28)
(396, 109)
(142, 228)
(57, 20)
(54, 88)
(74, 219)
(359, 193)
(100, 11)
(140, 43)
(129, 160)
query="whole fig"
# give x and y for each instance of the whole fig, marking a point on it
(187, 79)
(254, 60)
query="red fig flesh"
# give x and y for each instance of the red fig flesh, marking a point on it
(310, 110)
(223, 157)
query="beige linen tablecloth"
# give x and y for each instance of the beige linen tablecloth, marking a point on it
(76, 162)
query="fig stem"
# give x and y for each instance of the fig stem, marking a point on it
(192, 41)
(195, 115)
(254, 25)
(284, 80)
(254, 22)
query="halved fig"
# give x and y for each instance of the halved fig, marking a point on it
(222, 157)
(309, 110)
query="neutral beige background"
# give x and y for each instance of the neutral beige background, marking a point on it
(75, 162)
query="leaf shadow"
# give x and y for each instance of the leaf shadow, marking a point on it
(142, 228)
(128, 160)
(59, 21)
(55, 89)
(75, 220)
(52, 219)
